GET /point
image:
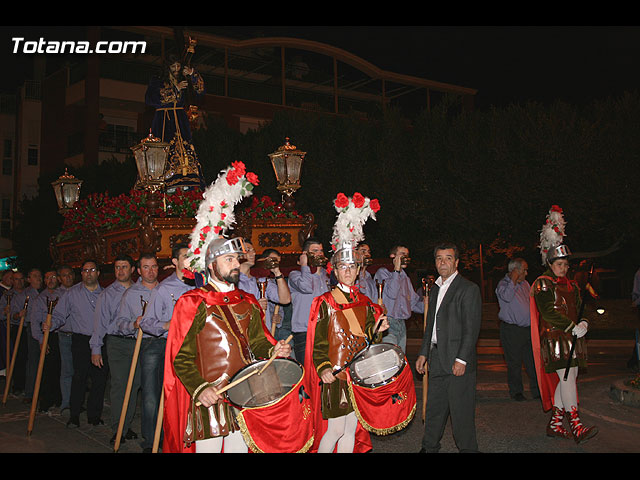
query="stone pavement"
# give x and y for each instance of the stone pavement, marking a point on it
(503, 425)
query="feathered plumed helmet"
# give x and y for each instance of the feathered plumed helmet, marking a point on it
(353, 212)
(215, 216)
(552, 237)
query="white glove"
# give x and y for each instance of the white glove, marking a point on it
(580, 330)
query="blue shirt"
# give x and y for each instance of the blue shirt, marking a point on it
(514, 302)
(304, 287)
(38, 309)
(398, 295)
(367, 286)
(106, 309)
(161, 303)
(17, 304)
(130, 309)
(250, 285)
(76, 310)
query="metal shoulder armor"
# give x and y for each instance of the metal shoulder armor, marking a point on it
(542, 284)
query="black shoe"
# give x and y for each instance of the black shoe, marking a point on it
(130, 435)
(96, 421)
(518, 397)
(73, 423)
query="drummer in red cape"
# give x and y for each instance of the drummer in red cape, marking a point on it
(557, 334)
(215, 331)
(342, 323)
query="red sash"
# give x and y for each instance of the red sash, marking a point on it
(363, 439)
(283, 427)
(388, 408)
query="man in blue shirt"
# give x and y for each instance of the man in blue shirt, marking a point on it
(515, 328)
(276, 289)
(133, 305)
(119, 348)
(155, 324)
(50, 392)
(398, 296)
(306, 284)
(76, 309)
(365, 282)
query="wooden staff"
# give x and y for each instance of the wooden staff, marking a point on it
(425, 378)
(156, 436)
(43, 351)
(274, 324)
(8, 360)
(132, 373)
(15, 353)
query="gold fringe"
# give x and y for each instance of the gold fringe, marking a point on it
(379, 431)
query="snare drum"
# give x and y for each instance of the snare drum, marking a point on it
(382, 389)
(377, 365)
(274, 407)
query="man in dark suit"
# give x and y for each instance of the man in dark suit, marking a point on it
(449, 351)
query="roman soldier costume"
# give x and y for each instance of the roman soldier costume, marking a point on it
(555, 327)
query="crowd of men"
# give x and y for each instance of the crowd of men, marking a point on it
(92, 330)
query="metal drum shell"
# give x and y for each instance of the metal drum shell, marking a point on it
(372, 350)
(238, 395)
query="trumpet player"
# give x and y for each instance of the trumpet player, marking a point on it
(365, 282)
(399, 297)
(276, 289)
(305, 284)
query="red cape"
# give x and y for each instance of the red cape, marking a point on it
(177, 401)
(363, 439)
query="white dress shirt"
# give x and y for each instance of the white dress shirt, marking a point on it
(442, 291)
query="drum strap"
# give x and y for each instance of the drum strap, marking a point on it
(354, 325)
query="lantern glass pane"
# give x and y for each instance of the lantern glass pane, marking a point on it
(141, 164)
(156, 158)
(70, 194)
(294, 164)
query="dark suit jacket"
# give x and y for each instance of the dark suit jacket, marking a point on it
(458, 323)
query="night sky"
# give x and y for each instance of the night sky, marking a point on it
(504, 63)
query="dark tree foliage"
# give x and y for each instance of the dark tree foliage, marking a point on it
(477, 178)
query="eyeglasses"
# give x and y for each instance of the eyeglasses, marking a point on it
(89, 270)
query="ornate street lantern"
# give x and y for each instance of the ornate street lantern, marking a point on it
(151, 158)
(67, 190)
(287, 165)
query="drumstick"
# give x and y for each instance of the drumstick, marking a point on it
(156, 436)
(273, 324)
(242, 379)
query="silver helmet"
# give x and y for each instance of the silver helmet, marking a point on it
(223, 246)
(346, 253)
(559, 251)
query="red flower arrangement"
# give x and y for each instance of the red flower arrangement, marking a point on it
(265, 208)
(101, 213)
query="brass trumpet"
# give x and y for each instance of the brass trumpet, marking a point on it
(317, 261)
(269, 262)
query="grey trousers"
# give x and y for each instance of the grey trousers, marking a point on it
(450, 396)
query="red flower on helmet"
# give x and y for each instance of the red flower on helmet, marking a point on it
(556, 208)
(341, 201)
(358, 200)
(374, 205)
(253, 178)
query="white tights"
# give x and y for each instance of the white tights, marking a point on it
(566, 394)
(340, 430)
(233, 443)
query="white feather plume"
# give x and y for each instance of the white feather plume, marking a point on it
(215, 214)
(348, 227)
(552, 233)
